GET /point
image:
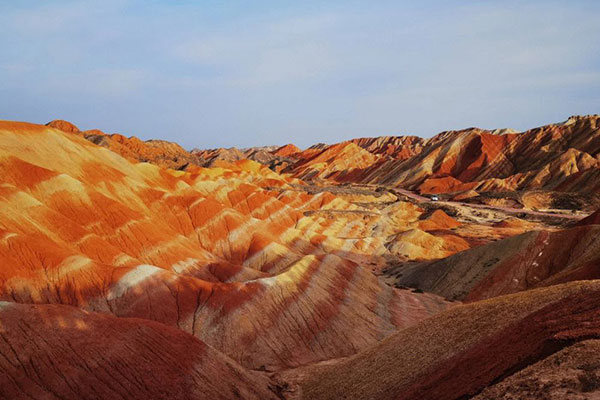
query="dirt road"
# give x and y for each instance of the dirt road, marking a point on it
(508, 210)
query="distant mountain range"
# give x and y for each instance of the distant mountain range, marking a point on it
(470, 164)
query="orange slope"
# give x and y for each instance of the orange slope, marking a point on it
(226, 254)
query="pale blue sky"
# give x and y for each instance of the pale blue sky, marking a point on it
(225, 73)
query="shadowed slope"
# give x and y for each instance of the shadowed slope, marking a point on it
(572, 373)
(533, 259)
(60, 352)
(459, 352)
(592, 219)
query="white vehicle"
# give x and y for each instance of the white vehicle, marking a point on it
(434, 198)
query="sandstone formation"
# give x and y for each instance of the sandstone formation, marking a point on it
(396, 147)
(458, 353)
(208, 157)
(225, 254)
(61, 352)
(137, 269)
(286, 150)
(159, 152)
(339, 162)
(518, 263)
(558, 157)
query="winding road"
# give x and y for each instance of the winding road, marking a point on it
(509, 210)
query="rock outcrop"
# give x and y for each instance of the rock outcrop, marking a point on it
(286, 150)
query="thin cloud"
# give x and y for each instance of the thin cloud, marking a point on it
(222, 75)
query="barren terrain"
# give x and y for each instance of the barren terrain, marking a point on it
(138, 269)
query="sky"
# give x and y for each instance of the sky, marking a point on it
(224, 73)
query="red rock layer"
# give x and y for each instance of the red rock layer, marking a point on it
(226, 254)
(518, 263)
(458, 353)
(159, 152)
(559, 157)
(592, 219)
(286, 150)
(60, 352)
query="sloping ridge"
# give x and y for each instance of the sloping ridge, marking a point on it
(60, 352)
(592, 219)
(457, 353)
(217, 253)
(160, 152)
(518, 263)
(336, 162)
(557, 157)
